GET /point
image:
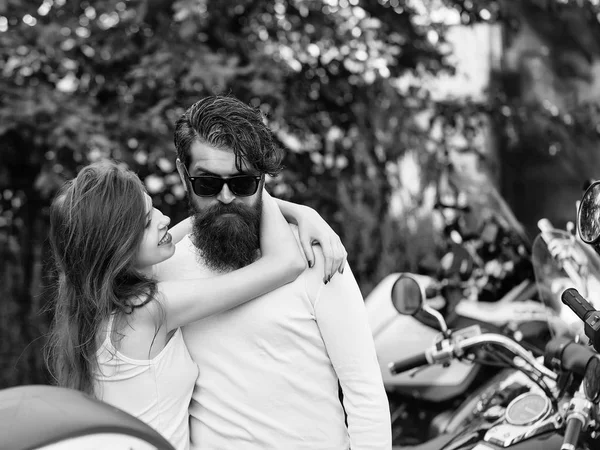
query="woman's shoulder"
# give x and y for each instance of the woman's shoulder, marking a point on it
(140, 333)
(146, 310)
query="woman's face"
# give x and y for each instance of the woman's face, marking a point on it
(156, 245)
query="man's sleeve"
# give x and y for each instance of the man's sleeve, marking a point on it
(342, 319)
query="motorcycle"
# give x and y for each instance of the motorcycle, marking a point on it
(549, 401)
(422, 404)
(53, 418)
(485, 277)
(535, 404)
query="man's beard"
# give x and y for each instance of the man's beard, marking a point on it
(227, 243)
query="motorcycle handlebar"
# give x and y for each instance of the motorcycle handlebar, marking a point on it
(455, 349)
(409, 363)
(586, 312)
(577, 303)
(572, 430)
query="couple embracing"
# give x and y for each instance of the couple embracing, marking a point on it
(228, 330)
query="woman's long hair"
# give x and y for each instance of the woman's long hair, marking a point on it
(97, 223)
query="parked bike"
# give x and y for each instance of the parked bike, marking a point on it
(547, 402)
(485, 277)
(53, 418)
(551, 401)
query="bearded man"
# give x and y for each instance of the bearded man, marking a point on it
(270, 369)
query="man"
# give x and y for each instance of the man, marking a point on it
(269, 369)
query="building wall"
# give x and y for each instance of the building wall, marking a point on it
(545, 180)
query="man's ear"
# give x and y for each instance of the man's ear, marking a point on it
(181, 172)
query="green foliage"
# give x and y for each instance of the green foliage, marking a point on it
(83, 80)
(91, 79)
(88, 79)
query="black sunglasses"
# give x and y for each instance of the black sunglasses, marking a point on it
(211, 185)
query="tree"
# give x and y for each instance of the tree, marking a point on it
(82, 80)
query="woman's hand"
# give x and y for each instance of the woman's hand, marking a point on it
(312, 229)
(277, 241)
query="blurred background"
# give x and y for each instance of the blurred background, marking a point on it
(384, 106)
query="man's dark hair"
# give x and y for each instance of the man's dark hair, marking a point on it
(228, 123)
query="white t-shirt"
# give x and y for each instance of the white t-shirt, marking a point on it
(156, 391)
(269, 369)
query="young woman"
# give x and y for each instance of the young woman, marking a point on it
(116, 330)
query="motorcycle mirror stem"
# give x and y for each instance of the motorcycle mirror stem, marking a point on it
(408, 297)
(438, 316)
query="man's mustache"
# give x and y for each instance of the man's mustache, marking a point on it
(221, 208)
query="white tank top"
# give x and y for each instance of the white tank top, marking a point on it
(156, 391)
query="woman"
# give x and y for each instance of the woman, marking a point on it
(116, 331)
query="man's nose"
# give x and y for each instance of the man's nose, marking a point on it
(225, 196)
